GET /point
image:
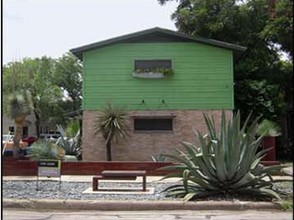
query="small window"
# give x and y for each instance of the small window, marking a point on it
(153, 124)
(153, 64)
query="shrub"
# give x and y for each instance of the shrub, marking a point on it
(71, 145)
(45, 150)
(225, 163)
(159, 157)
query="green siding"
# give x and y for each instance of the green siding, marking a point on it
(203, 77)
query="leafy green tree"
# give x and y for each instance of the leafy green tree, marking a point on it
(35, 76)
(68, 76)
(279, 28)
(112, 123)
(265, 28)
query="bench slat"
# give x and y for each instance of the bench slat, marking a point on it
(123, 173)
(120, 175)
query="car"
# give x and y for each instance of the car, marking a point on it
(49, 136)
(7, 144)
(7, 137)
(30, 140)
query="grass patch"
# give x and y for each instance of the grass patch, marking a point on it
(287, 205)
(287, 195)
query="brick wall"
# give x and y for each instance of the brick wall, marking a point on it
(140, 146)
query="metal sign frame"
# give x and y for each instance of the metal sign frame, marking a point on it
(49, 168)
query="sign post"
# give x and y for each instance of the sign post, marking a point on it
(49, 168)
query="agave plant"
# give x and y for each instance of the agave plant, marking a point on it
(45, 150)
(71, 145)
(159, 157)
(225, 162)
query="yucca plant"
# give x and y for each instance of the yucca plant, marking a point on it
(225, 163)
(45, 150)
(112, 123)
(18, 109)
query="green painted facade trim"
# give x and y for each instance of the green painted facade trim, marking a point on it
(202, 79)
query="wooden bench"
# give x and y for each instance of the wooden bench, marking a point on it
(119, 175)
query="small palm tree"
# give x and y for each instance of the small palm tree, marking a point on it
(18, 109)
(112, 123)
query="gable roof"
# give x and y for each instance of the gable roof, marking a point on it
(155, 35)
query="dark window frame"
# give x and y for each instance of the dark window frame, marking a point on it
(11, 129)
(160, 128)
(153, 64)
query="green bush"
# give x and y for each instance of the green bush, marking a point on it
(225, 163)
(159, 157)
(71, 145)
(45, 150)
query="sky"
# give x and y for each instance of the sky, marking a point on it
(36, 28)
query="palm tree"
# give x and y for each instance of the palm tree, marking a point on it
(112, 122)
(18, 109)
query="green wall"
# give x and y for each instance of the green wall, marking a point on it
(203, 77)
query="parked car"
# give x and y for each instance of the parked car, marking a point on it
(7, 145)
(7, 138)
(49, 136)
(30, 140)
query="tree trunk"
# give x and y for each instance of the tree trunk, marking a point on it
(17, 135)
(37, 123)
(108, 149)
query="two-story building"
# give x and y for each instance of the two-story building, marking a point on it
(165, 79)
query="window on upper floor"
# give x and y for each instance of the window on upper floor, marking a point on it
(152, 64)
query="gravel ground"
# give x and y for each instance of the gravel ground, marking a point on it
(49, 189)
(74, 190)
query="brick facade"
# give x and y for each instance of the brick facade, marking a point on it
(140, 146)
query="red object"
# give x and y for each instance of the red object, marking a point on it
(269, 142)
(30, 139)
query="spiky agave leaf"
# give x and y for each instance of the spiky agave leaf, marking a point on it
(224, 162)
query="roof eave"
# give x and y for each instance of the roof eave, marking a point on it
(78, 51)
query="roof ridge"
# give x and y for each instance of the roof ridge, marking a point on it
(185, 37)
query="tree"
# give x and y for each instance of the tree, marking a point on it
(68, 77)
(279, 28)
(47, 96)
(112, 124)
(265, 28)
(18, 109)
(36, 77)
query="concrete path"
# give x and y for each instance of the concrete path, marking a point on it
(13, 214)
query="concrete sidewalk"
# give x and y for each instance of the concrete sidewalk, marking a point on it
(88, 178)
(12, 214)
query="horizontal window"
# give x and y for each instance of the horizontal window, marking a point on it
(153, 124)
(153, 64)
